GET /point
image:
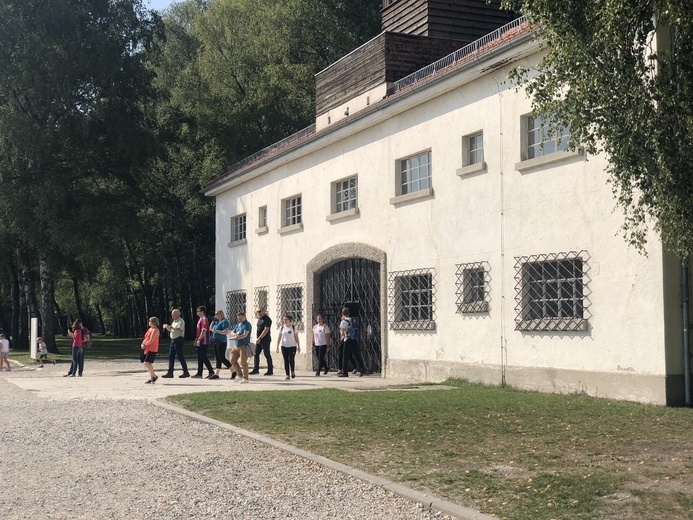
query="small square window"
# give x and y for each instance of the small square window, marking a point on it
(542, 139)
(292, 211)
(472, 288)
(474, 149)
(238, 228)
(415, 173)
(412, 300)
(345, 194)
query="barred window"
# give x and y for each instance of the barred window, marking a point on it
(292, 211)
(345, 194)
(475, 148)
(238, 228)
(290, 301)
(542, 139)
(261, 297)
(412, 305)
(551, 292)
(472, 287)
(235, 303)
(415, 173)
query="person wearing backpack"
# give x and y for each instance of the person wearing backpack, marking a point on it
(288, 339)
(348, 339)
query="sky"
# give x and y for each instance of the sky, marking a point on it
(159, 5)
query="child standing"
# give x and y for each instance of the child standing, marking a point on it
(4, 351)
(43, 352)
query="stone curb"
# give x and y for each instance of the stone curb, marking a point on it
(429, 502)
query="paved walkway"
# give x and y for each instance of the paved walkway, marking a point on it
(123, 381)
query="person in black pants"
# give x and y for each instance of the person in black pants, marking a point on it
(347, 346)
(263, 343)
(321, 343)
(202, 343)
(220, 327)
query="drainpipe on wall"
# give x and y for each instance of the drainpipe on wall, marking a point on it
(686, 336)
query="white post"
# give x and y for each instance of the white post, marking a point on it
(34, 335)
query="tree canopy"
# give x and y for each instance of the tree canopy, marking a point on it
(620, 74)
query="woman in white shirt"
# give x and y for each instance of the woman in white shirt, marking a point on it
(322, 342)
(288, 339)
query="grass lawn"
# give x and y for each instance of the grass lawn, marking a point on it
(512, 454)
(103, 348)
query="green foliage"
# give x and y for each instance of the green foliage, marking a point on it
(620, 74)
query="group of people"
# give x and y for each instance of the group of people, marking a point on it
(218, 332)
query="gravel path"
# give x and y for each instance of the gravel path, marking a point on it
(130, 459)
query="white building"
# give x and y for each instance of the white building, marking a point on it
(467, 241)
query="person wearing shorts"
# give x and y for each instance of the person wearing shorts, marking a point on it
(4, 352)
(43, 352)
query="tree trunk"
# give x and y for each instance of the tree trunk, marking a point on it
(47, 305)
(78, 301)
(15, 294)
(100, 316)
(27, 290)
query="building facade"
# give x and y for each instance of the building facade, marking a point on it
(465, 236)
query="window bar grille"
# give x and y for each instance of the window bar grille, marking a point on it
(552, 292)
(290, 301)
(473, 287)
(262, 297)
(235, 303)
(412, 299)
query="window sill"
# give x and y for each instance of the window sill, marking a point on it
(411, 197)
(237, 243)
(413, 325)
(262, 230)
(343, 215)
(290, 229)
(553, 325)
(472, 168)
(472, 308)
(529, 164)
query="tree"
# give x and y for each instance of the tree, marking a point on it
(620, 74)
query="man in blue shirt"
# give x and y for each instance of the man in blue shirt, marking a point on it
(241, 335)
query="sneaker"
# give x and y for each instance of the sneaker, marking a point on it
(354, 371)
(293, 375)
(167, 375)
(269, 373)
(244, 381)
(54, 361)
(317, 373)
(184, 375)
(233, 376)
(155, 378)
(148, 382)
(342, 374)
(287, 378)
(67, 375)
(326, 371)
(254, 372)
(72, 375)
(197, 376)
(359, 373)
(40, 366)
(213, 376)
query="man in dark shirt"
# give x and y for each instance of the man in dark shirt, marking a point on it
(263, 342)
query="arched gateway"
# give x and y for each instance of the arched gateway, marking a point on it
(352, 275)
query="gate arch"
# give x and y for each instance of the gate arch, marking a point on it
(329, 286)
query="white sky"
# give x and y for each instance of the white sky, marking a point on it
(159, 5)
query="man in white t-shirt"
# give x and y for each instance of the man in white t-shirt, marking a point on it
(4, 352)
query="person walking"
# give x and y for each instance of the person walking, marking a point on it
(322, 343)
(348, 344)
(77, 335)
(43, 352)
(288, 339)
(202, 343)
(176, 331)
(4, 351)
(150, 346)
(263, 343)
(220, 328)
(241, 335)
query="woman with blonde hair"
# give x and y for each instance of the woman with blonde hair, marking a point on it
(220, 327)
(150, 346)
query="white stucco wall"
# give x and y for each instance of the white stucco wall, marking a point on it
(492, 216)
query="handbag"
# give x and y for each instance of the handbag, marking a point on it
(250, 349)
(142, 357)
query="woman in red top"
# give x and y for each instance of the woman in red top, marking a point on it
(150, 347)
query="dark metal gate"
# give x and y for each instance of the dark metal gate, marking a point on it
(353, 283)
